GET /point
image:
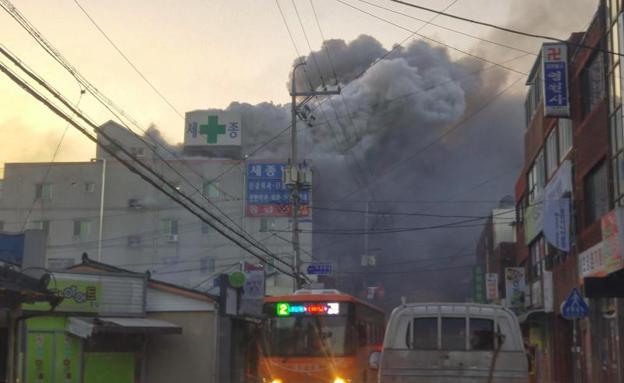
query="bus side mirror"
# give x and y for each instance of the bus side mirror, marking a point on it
(373, 360)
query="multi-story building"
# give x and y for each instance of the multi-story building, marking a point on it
(496, 250)
(570, 227)
(102, 208)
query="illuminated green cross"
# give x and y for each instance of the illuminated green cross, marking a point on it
(212, 129)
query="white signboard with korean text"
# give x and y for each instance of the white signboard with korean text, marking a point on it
(491, 287)
(208, 128)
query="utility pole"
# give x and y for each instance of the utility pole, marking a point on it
(293, 177)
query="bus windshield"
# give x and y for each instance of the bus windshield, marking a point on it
(310, 336)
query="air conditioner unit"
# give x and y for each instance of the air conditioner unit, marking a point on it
(135, 203)
(173, 238)
(134, 241)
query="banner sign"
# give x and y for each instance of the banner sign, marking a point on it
(533, 220)
(555, 82)
(267, 196)
(514, 288)
(252, 296)
(206, 128)
(605, 257)
(556, 223)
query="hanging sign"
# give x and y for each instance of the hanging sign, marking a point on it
(555, 80)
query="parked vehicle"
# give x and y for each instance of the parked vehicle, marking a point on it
(319, 336)
(452, 343)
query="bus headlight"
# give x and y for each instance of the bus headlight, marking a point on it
(339, 380)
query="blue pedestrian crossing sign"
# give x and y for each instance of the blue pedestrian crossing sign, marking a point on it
(319, 269)
(574, 306)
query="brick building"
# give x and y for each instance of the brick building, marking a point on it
(575, 161)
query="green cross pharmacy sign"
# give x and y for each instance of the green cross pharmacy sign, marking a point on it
(207, 128)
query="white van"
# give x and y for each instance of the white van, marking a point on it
(452, 343)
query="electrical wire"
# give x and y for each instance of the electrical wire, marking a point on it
(433, 40)
(505, 29)
(24, 85)
(126, 59)
(6, 4)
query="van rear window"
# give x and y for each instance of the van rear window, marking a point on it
(455, 335)
(424, 334)
(481, 334)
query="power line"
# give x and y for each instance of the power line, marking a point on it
(6, 4)
(47, 172)
(447, 28)
(505, 29)
(431, 39)
(391, 213)
(131, 167)
(123, 55)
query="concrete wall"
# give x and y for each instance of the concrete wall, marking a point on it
(188, 357)
(178, 261)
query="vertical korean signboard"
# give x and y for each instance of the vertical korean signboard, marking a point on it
(514, 288)
(478, 280)
(491, 287)
(267, 196)
(555, 85)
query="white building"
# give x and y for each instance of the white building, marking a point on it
(142, 228)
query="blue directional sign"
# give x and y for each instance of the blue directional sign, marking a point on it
(319, 269)
(574, 306)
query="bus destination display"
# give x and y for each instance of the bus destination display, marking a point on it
(284, 309)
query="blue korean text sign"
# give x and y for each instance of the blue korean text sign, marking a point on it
(574, 306)
(267, 196)
(319, 269)
(555, 82)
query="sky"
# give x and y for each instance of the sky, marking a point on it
(206, 54)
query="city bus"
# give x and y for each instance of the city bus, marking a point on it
(319, 336)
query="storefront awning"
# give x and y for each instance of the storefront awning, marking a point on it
(85, 327)
(531, 314)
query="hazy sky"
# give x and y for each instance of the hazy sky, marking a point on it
(206, 53)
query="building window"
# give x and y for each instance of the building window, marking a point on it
(536, 251)
(596, 194)
(210, 189)
(534, 96)
(82, 228)
(138, 152)
(592, 82)
(89, 187)
(207, 265)
(267, 224)
(552, 157)
(169, 226)
(43, 191)
(564, 131)
(536, 178)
